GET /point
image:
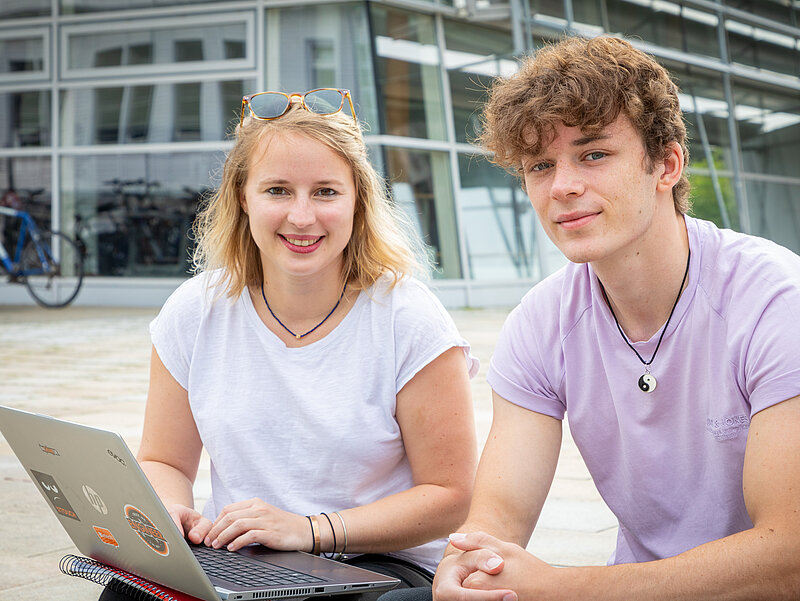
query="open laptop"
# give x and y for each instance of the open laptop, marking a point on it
(101, 497)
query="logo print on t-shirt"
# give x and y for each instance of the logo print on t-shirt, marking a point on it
(53, 492)
(730, 426)
(146, 530)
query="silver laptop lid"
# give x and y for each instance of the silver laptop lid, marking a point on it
(103, 500)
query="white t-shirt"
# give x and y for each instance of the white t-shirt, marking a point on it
(307, 429)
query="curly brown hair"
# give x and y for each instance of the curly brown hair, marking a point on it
(584, 83)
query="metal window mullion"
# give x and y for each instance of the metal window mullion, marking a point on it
(455, 179)
(733, 132)
(55, 124)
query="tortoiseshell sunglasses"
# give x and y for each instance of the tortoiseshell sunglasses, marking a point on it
(272, 105)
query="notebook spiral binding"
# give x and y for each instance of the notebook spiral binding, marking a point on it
(118, 580)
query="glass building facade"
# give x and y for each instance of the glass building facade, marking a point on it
(115, 116)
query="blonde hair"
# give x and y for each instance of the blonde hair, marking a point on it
(382, 242)
(585, 83)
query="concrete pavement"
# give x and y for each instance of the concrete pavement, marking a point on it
(90, 365)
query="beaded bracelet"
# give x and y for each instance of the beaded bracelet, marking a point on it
(332, 554)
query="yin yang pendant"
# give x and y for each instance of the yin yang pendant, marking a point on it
(647, 382)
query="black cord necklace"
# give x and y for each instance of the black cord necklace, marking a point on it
(647, 381)
(299, 336)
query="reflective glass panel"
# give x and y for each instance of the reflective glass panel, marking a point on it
(24, 118)
(670, 24)
(768, 119)
(154, 113)
(21, 55)
(408, 79)
(324, 46)
(71, 7)
(705, 111)
(774, 210)
(150, 45)
(551, 8)
(421, 187)
(134, 211)
(714, 201)
(502, 234)
(762, 48)
(776, 10)
(21, 9)
(24, 185)
(474, 56)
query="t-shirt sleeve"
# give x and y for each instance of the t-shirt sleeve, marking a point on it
(423, 330)
(771, 368)
(517, 371)
(174, 330)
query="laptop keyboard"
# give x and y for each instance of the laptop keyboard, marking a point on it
(240, 570)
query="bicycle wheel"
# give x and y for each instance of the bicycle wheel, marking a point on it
(52, 282)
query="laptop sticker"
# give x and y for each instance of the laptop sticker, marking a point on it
(94, 499)
(53, 492)
(105, 535)
(49, 450)
(117, 457)
(146, 529)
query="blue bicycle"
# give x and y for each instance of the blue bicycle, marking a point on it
(50, 264)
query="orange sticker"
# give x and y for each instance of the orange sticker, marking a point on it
(106, 536)
(146, 529)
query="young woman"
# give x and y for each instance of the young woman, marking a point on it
(328, 386)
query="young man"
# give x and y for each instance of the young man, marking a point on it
(671, 344)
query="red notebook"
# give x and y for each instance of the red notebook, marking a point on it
(120, 580)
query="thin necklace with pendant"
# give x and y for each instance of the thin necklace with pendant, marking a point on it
(324, 319)
(647, 381)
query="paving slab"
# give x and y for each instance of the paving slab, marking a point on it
(90, 365)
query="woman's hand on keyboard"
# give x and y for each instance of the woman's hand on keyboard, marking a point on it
(190, 522)
(255, 521)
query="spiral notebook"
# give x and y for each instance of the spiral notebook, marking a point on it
(103, 500)
(118, 580)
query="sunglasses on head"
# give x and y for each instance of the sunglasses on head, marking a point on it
(272, 105)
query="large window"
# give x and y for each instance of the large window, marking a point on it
(409, 80)
(665, 23)
(24, 185)
(762, 48)
(474, 56)
(501, 231)
(775, 211)
(322, 47)
(70, 7)
(25, 118)
(421, 186)
(134, 211)
(769, 128)
(21, 9)
(706, 113)
(195, 43)
(23, 54)
(151, 113)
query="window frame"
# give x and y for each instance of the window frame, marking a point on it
(246, 18)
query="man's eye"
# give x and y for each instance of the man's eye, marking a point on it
(594, 156)
(541, 166)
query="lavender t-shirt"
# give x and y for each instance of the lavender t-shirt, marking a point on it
(668, 463)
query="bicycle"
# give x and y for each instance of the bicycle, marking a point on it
(49, 264)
